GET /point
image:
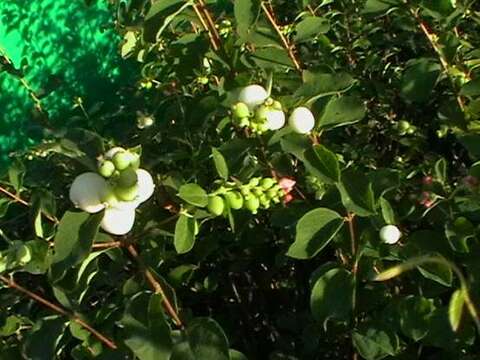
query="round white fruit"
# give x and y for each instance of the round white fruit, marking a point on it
(146, 185)
(275, 119)
(301, 120)
(390, 234)
(118, 221)
(87, 191)
(252, 95)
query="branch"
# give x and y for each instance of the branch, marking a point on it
(211, 35)
(155, 285)
(432, 39)
(210, 22)
(56, 308)
(289, 47)
(25, 203)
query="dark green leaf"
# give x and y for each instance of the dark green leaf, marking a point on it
(357, 193)
(207, 340)
(16, 172)
(375, 344)
(471, 88)
(317, 85)
(193, 194)
(342, 111)
(414, 316)
(309, 27)
(313, 232)
(184, 234)
(419, 80)
(322, 163)
(147, 332)
(246, 13)
(42, 340)
(331, 296)
(73, 241)
(220, 164)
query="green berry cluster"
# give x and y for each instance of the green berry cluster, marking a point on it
(260, 119)
(316, 186)
(405, 128)
(258, 193)
(120, 167)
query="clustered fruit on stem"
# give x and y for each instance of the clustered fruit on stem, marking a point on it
(256, 110)
(119, 187)
(258, 193)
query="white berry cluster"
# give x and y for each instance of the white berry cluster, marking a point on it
(119, 187)
(259, 112)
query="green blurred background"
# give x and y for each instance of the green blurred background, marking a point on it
(66, 50)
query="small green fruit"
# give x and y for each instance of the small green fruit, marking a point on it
(403, 125)
(262, 128)
(23, 254)
(261, 114)
(127, 194)
(121, 160)
(127, 178)
(254, 181)
(267, 183)
(240, 110)
(234, 200)
(252, 204)
(215, 205)
(277, 105)
(109, 197)
(106, 168)
(244, 122)
(271, 193)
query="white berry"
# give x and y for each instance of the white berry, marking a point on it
(275, 119)
(252, 96)
(87, 191)
(118, 221)
(390, 234)
(301, 120)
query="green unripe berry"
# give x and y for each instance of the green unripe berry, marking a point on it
(244, 122)
(271, 193)
(121, 160)
(257, 191)
(134, 161)
(109, 197)
(262, 128)
(261, 114)
(254, 181)
(252, 204)
(267, 183)
(234, 200)
(127, 194)
(127, 178)
(215, 205)
(411, 131)
(106, 168)
(240, 110)
(277, 105)
(403, 125)
(23, 254)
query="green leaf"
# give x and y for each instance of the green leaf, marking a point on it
(440, 273)
(236, 355)
(157, 15)
(246, 13)
(322, 163)
(147, 332)
(471, 88)
(331, 296)
(207, 340)
(317, 85)
(73, 241)
(16, 172)
(441, 171)
(193, 194)
(220, 164)
(311, 26)
(340, 111)
(378, 7)
(42, 340)
(419, 80)
(455, 308)
(313, 232)
(296, 145)
(387, 211)
(414, 316)
(375, 344)
(357, 194)
(269, 58)
(184, 234)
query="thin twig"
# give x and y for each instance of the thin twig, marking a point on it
(204, 23)
(351, 228)
(210, 22)
(56, 308)
(432, 39)
(25, 203)
(290, 48)
(155, 286)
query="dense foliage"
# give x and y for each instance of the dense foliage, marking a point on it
(264, 238)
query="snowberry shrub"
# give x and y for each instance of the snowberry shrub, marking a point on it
(282, 180)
